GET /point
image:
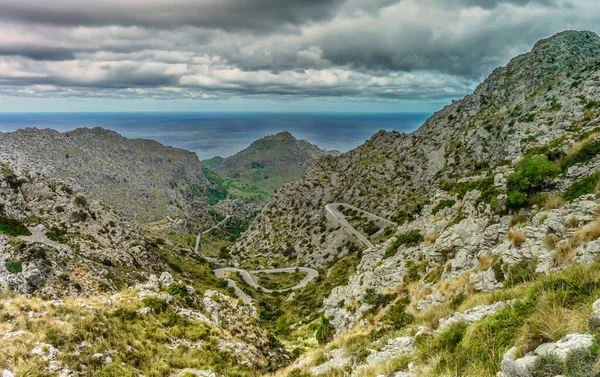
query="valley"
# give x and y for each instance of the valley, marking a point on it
(470, 247)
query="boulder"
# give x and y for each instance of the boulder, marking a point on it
(166, 279)
(594, 321)
(485, 281)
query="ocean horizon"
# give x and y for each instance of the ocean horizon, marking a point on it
(211, 134)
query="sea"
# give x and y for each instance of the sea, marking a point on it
(224, 134)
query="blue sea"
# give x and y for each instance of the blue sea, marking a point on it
(224, 134)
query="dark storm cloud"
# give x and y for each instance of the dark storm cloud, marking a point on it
(38, 52)
(210, 49)
(221, 14)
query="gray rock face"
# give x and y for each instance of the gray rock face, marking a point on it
(485, 281)
(394, 171)
(511, 366)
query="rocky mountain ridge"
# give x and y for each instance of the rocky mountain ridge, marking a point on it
(140, 178)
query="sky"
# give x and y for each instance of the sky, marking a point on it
(265, 55)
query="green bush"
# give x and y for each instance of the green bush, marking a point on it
(57, 234)
(396, 316)
(325, 331)
(412, 238)
(13, 266)
(13, 227)
(444, 203)
(157, 305)
(81, 201)
(531, 175)
(584, 186)
(175, 267)
(224, 253)
(489, 192)
(414, 270)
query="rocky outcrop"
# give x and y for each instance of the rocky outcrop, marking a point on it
(60, 243)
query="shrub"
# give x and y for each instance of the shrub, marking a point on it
(531, 175)
(157, 305)
(584, 186)
(13, 266)
(224, 253)
(57, 234)
(175, 267)
(396, 316)
(412, 238)
(13, 227)
(325, 331)
(414, 270)
(444, 203)
(81, 201)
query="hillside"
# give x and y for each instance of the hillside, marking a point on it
(138, 177)
(494, 193)
(270, 162)
(469, 248)
(76, 278)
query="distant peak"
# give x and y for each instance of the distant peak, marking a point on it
(285, 135)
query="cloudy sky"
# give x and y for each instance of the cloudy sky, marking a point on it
(380, 55)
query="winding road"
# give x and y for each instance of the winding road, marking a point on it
(334, 215)
(208, 230)
(252, 281)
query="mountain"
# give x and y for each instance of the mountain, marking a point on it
(470, 247)
(141, 178)
(495, 205)
(536, 99)
(270, 162)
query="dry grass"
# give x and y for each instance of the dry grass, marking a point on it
(550, 241)
(486, 261)
(572, 222)
(431, 316)
(449, 288)
(590, 232)
(565, 251)
(386, 369)
(517, 237)
(554, 202)
(576, 147)
(431, 238)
